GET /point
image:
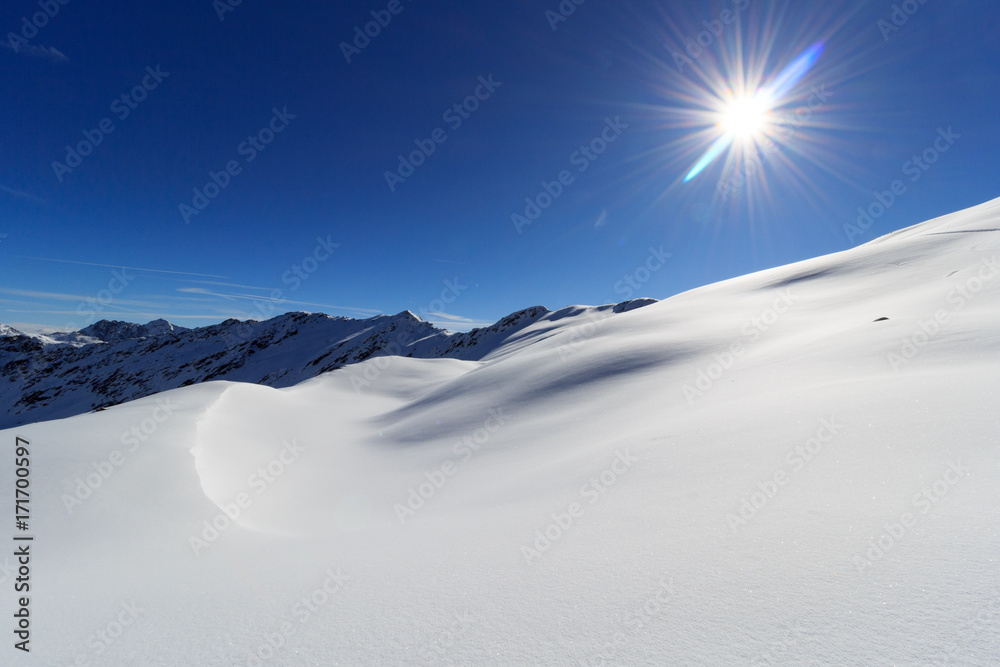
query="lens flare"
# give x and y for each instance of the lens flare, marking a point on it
(744, 118)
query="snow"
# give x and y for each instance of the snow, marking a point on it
(635, 439)
(52, 338)
(109, 363)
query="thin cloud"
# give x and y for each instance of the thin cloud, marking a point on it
(459, 326)
(32, 328)
(602, 219)
(73, 313)
(61, 296)
(119, 266)
(18, 193)
(30, 50)
(220, 284)
(455, 318)
(254, 297)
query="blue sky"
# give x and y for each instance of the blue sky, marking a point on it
(258, 105)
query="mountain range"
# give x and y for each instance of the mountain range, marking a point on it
(57, 375)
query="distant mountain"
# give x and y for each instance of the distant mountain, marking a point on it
(61, 375)
(114, 332)
(54, 338)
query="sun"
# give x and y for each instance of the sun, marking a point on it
(741, 114)
(745, 119)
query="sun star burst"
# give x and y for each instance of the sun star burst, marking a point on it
(743, 118)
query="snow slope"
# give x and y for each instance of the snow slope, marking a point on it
(760, 471)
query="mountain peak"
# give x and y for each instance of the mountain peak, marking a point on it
(114, 331)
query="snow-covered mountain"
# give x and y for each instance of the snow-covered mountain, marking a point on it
(114, 332)
(52, 338)
(798, 466)
(107, 363)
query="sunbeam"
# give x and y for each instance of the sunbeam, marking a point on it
(744, 117)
